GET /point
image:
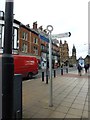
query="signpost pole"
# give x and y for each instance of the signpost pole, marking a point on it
(50, 29)
(68, 34)
(47, 65)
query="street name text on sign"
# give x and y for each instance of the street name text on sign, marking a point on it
(62, 35)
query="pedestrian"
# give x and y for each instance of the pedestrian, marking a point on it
(79, 69)
(86, 66)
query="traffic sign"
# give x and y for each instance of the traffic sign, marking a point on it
(68, 34)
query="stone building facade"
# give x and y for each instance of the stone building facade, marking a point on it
(87, 59)
(64, 52)
(72, 59)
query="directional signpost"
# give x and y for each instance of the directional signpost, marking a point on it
(61, 35)
(53, 38)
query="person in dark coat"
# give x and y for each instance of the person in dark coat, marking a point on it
(79, 69)
(86, 66)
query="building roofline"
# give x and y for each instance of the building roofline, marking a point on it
(24, 26)
(15, 21)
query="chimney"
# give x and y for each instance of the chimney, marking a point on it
(45, 31)
(41, 28)
(35, 25)
(28, 25)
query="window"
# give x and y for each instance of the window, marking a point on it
(24, 47)
(35, 40)
(42, 47)
(35, 50)
(15, 38)
(0, 28)
(1, 14)
(0, 35)
(25, 36)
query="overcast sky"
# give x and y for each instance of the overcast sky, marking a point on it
(63, 15)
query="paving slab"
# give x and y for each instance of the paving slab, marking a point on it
(70, 99)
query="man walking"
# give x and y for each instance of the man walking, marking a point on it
(79, 69)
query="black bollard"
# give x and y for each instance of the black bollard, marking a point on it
(42, 76)
(46, 75)
(54, 73)
(62, 69)
(46, 78)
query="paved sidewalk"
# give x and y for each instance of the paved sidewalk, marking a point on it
(70, 99)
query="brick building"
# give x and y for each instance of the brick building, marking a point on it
(30, 41)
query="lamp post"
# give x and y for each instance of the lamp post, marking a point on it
(7, 63)
(50, 29)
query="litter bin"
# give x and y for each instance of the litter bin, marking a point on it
(17, 96)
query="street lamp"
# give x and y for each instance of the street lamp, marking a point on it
(50, 29)
(7, 63)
